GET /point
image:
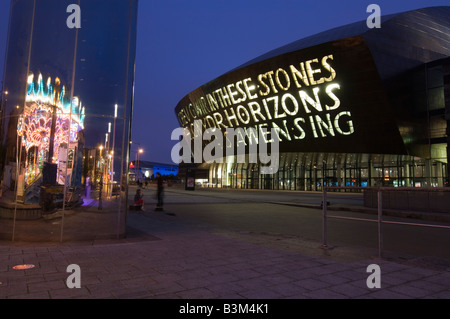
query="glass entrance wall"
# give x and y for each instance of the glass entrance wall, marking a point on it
(66, 128)
(312, 171)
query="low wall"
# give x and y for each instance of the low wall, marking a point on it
(23, 212)
(412, 199)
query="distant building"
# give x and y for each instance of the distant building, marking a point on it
(145, 169)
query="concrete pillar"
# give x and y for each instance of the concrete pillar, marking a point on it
(440, 179)
(372, 173)
(339, 174)
(406, 175)
(428, 172)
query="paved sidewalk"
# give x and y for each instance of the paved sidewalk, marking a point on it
(168, 257)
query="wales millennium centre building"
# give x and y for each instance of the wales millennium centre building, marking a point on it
(351, 106)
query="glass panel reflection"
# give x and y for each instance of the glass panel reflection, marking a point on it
(65, 128)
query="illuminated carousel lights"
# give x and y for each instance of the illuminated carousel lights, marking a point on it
(35, 125)
(47, 95)
(45, 103)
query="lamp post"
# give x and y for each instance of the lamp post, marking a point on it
(101, 180)
(136, 162)
(106, 157)
(2, 110)
(112, 151)
(140, 150)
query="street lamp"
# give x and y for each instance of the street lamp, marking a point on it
(4, 100)
(137, 155)
(136, 162)
(101, 180)
(112, 151)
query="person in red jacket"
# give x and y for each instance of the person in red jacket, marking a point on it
(138, 201)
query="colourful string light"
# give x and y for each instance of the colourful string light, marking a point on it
(44, 102)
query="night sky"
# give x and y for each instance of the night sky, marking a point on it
(183, 44)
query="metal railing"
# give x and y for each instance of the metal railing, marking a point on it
(379, 219)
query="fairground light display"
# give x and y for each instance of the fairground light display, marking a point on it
(50, 127)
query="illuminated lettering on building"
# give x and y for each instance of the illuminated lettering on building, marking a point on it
(298, 100)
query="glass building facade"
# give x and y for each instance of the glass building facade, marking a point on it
(66, 111)
(351, 106)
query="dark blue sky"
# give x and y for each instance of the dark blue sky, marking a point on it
(183, 44)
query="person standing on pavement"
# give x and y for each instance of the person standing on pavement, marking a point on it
(138, 199)
(159, 191)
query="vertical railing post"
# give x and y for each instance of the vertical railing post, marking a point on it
(380, 214)
(324, 218)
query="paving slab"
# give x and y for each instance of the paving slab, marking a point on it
(178, 258)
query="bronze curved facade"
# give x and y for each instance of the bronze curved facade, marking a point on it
(350, 106)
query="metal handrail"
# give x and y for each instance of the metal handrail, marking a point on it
(379, 219)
